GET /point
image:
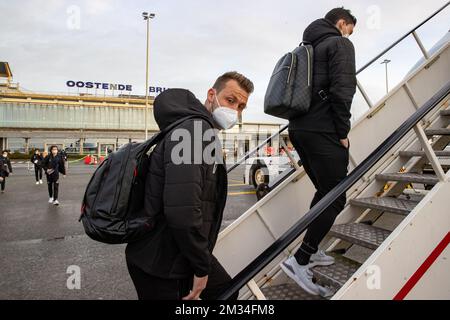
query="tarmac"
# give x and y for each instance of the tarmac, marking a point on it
(40, 243)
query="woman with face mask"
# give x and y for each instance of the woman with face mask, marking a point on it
(36, 160)
(53, 164)
(5, 169)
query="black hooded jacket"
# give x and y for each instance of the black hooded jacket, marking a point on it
(334, 72)
(38, 158)
(54, 163)
(188, 199)
(5, 166)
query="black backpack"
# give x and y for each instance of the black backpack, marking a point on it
(289, 93)
(112, 210)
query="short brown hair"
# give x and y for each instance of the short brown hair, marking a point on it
(243, 82)
(341, 13)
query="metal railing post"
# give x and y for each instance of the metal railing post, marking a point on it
(364, 94)
(421, 46)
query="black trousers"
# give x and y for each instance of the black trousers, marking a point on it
(3, 184)
(325, 161)
(53, 188)
(38, 173)
(152, 288)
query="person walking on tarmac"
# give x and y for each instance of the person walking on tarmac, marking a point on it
(320, 136)
(36, 160)
(63, 154)
(5, 169)
(187, 198)
(53, 165)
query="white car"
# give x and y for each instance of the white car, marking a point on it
(265, 170)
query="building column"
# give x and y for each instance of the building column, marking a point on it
(3, 144)
(276, 145)
(27, 145)
(253, 143)
(241, 145)
(99, 150)
(82, 146)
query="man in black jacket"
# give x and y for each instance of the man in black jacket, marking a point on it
(36, 160)
(53, 165)
(187, 198)
(5, 170)
(320, 136)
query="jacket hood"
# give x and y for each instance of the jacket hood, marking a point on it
(320, 30)
(175, 104)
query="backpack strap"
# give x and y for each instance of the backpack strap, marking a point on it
(180, 121)
(161, 134)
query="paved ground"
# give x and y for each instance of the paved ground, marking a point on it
(39, 242)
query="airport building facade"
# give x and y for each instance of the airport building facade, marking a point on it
(88, 123)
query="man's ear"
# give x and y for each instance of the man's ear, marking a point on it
(210, 97)
(341, 24)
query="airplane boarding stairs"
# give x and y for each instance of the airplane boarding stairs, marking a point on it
(391, 240)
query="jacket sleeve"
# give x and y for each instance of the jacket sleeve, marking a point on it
(342, 73)
(9, 165)
(62, 167)
(45, 163)
(182, 201)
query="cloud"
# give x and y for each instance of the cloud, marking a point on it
(193, 42)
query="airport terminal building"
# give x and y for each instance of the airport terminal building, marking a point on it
(91, 123)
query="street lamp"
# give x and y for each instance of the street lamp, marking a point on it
(147, 16)
(386, 61)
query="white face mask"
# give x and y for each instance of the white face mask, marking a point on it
(225, 117)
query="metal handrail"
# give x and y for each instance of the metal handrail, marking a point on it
(402, 38)
(249, 154)
(298, 228)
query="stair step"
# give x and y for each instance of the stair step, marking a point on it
(438, 132)
(409, 177)
(288, 291)
(422, 153)
(413, 195)
(445, 112)
(336, 275)
(360, 234)
(390, 204)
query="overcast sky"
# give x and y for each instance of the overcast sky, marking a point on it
(48, 42)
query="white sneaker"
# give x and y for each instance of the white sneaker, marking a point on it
(50, 200)
(37, 182)
(302, 275)
(326, 292)
(320, 259)
(40, 181)
(56, 203)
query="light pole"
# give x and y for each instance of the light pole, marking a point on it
(147, 16)
(386, 61)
